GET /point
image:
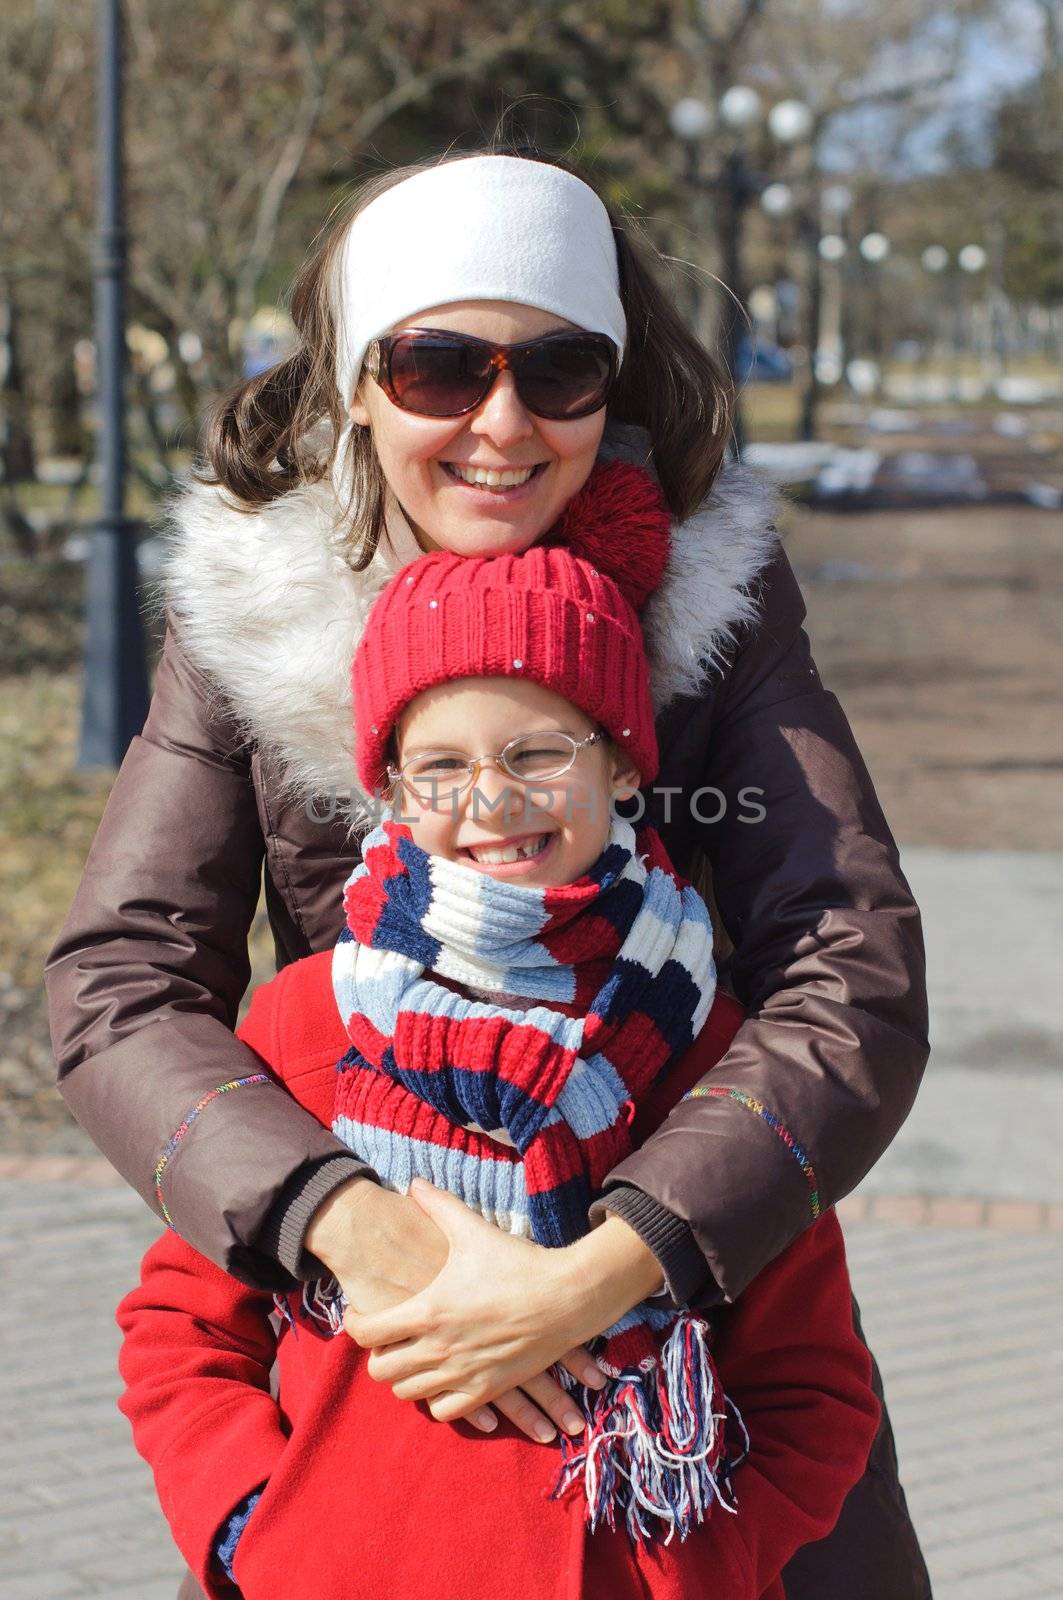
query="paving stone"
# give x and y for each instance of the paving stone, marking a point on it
(162, 1589)
(1049, 1572)
(1012, 1584)
(941, 1309)
(1002, 1550)
(46, 1583)
(909, 1209)
(959, 1213)
(1015, 1216)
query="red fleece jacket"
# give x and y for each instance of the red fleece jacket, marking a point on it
(369, 1498)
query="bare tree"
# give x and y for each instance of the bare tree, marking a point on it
(245, 121)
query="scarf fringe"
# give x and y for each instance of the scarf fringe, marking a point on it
(322, 1303)
(655, 1446)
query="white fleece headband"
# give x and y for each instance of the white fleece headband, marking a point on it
(479, 228)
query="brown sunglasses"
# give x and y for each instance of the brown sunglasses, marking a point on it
(434, 373)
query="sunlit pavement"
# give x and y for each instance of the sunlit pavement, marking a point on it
(988, 1119)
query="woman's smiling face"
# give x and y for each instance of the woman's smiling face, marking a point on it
(418, 454)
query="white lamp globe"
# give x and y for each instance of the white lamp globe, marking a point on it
(863, 376)
(837, 200)
(935, 258)
(690, 119)
(832, 247)
(828, 367)
(790, 121)
(740, 106)
(972, 258)
(874, 247)
(190, 346)
(777, 200)
(763, 302)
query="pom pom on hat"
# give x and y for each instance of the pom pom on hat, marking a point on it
(620, 523)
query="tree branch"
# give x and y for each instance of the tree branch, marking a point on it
(280, 180)
(425, 83)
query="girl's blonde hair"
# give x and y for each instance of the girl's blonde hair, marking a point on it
(279, 429)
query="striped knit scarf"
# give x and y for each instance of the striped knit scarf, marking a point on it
(522, 1113)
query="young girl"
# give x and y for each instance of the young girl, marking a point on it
(517, 982)
(358, 454)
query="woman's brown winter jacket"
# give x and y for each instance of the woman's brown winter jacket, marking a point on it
(761, 783)
(146, 977)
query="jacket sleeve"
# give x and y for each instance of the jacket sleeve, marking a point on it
(146, 977)
(790, 1361)
(196, 1357)
(828, 961)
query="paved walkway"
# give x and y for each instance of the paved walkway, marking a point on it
(988, 1117)
(964, 1321)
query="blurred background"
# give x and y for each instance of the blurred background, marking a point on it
(862, 209)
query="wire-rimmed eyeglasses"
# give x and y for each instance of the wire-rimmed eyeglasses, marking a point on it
(440, 776)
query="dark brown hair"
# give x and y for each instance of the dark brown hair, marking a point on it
(279, 429)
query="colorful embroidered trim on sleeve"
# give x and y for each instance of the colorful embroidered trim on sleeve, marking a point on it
(702, 1090)
(179, 1133)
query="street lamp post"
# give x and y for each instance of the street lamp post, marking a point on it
(971, 260)
(874, 250)
(818, 249)
(739, 109)
(935, 260)
(828, 336)
(810, 233)
(740, 188)
(114, 693)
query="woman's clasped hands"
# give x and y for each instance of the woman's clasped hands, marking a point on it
(386, 1249)
(497, 1314)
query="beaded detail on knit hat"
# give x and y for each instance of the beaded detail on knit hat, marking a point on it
(563, 614)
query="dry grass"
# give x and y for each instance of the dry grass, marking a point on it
(771, 411)
(50, 815)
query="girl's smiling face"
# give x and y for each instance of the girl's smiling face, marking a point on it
(418, 454)
(555, 830)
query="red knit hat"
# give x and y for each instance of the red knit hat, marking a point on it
(564, 614)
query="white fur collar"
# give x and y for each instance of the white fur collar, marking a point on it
(270, 611)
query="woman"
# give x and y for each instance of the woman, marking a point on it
(327, 478)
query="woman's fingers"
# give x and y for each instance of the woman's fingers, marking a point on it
(554, 1403)
(453, 1406)
(425, 1385)
(399, 1325)
(584, 1368)
(401, 1363)
(515, 1405)
(409, 1367)
(538, 1408)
